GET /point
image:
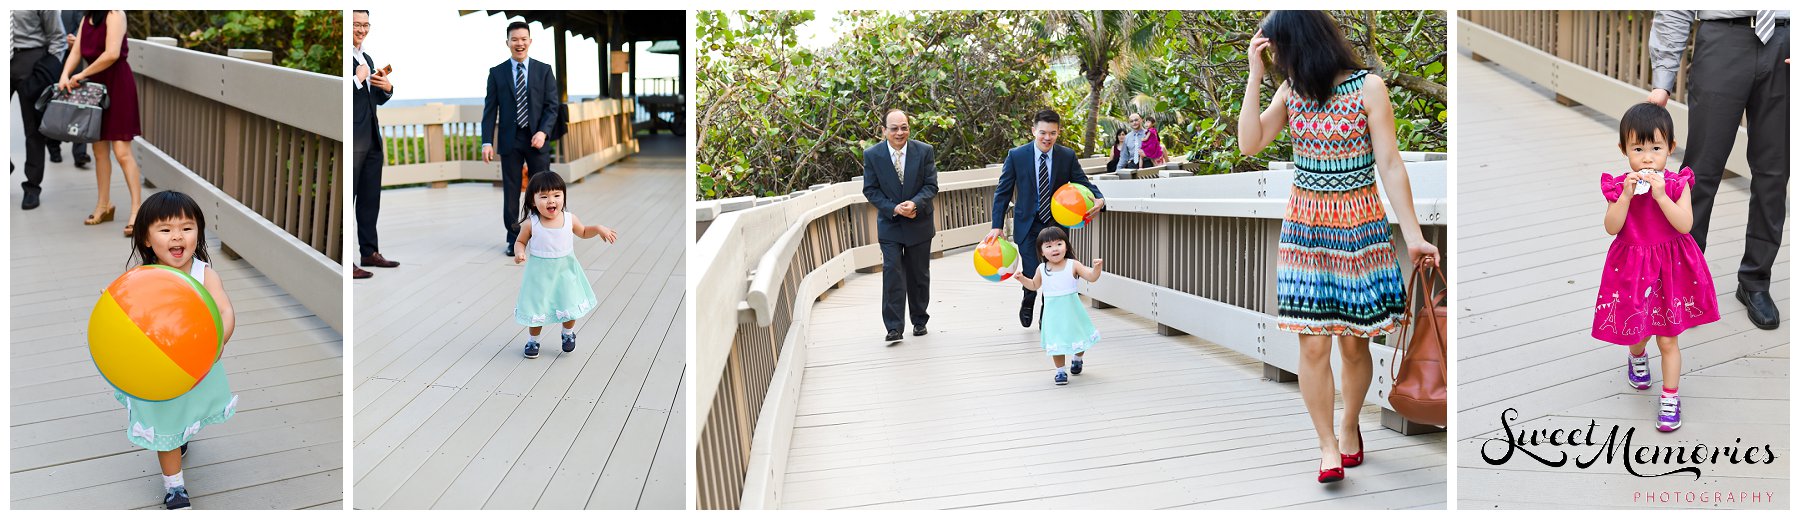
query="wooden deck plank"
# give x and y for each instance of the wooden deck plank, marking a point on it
(967, 416)
(1532, 251)
(456, 418)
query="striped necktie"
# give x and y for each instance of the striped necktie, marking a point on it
(519, 93)
(1043, 186)
(1764, 25)
(899, 166)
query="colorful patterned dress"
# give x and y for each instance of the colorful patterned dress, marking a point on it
(1656, 282)
(1336, 274)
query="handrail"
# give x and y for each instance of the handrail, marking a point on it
(248, 141)
(438, 143)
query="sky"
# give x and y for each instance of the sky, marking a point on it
(438, 54)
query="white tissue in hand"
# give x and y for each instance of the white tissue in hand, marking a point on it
(1643, 186)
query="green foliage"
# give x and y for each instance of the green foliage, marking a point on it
(776, 117)
(1197, 83)
(305, 40)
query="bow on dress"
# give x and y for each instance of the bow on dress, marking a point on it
(1673, 183)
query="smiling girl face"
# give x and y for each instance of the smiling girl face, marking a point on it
(174, 240)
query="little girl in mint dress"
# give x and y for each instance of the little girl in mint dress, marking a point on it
(556, 288)
(167, 426)
(1064, 330)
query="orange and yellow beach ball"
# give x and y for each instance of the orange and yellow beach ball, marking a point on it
(155, 333)
(1071, 204)
(997, 259)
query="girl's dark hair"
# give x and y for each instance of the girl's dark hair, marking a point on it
(162, 206)
(1310, 51)
(1643, 121)
(541, 182)
(1052, 234)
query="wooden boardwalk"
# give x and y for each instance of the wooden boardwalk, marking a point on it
(1530, 247)
(282, 450)
(967, 417)
(450, 415)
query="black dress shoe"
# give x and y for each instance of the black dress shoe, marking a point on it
(1762, 309)
(56, 154)
(509, 250)
(81, 157)
(919, 330)
(1025, 308)
(893, 335)
(30, 202)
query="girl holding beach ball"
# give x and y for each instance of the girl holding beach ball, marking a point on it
(157, 333)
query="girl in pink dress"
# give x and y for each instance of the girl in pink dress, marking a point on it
(1656, 282)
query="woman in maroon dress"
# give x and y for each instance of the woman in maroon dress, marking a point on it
(101, 42)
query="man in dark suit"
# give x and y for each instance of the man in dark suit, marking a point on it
(372, 88)
(900, 178)
(516, 120)
(70, 21)
(1037, 169)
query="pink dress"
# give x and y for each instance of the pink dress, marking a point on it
(1656, 282)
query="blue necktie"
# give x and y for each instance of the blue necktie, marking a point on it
(519, 93)
(1043, 186)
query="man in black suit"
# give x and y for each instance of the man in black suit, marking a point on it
(372, 88)
(70, 21)
(516, 120)
(1037, 169)
(900, 178)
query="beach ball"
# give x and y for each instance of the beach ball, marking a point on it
(997, 259)
(1071, 204)
(155, 333)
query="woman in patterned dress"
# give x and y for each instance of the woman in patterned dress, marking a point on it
(1336, 275)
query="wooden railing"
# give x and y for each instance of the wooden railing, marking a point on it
(762, 266)
(250, 142)
(1596, 58)
(437, 143)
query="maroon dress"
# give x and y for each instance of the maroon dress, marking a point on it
(120, 120)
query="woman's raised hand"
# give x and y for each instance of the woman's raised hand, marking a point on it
(1258, 44)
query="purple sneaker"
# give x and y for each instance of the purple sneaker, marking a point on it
(1637, 372)
(1669, 418)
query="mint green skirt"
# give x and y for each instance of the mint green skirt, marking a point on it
(166, 425)
(1066, 328)
(555, 290)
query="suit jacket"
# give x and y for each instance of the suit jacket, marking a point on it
(367, 133)
(882, 186)
(1020, 172)
(498, 111)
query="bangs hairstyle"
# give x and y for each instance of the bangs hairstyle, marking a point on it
(1310, 52)
(1052, 234)
(1643, 121)
(162, 206)
(541, 182)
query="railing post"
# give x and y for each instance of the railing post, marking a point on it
(1565, 46)
(1393, 421)
(1162, 258)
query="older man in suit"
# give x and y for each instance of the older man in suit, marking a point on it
(899, 179)
(516, 120)
(372, 88)
(1036, 169)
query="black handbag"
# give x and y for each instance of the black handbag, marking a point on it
(73, 116)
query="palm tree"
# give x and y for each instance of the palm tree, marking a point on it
(1096, 39)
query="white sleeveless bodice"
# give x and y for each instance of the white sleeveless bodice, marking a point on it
(551, 242)
(1058, 283)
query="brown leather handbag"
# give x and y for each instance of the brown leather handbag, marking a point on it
(1421, 375)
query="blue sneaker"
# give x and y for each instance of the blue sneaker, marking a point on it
(1669, 418)
(1075, 367)
(531, 349)
(568, 342)
(176, 498)
(1637, 372)
(1061, 378)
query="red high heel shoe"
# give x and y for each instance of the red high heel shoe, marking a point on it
(1329, 475)
(1355, 459)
